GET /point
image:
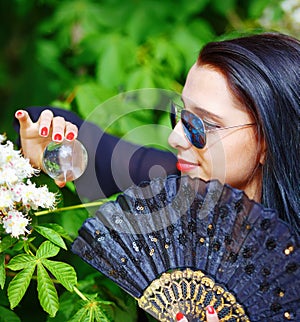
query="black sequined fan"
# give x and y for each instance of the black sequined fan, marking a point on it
(180, 244)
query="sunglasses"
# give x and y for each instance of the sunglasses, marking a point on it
(194, 127)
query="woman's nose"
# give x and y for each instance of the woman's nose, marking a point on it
(177, 139)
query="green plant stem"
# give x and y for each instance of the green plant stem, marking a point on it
(32, 247)
(76, 290)
(84, 205)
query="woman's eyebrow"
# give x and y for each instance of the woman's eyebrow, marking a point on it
(201, 111)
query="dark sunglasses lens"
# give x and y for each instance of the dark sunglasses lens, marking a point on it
(173, 115)
(193, 129)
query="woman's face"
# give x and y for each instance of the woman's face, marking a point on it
(231, 155)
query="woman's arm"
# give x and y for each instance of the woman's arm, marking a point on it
(114, 164)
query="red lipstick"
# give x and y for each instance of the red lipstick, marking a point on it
(185, 166)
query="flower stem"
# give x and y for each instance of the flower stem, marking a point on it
(84, 205)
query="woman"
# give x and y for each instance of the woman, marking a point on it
(247, 91)
(241, 121)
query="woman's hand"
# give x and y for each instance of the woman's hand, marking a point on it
(211, 316)
(35, 136)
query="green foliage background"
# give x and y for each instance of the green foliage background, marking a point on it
(76, 54)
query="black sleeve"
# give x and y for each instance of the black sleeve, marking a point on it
(114, 164)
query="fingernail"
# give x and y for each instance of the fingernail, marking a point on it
(60, 184)
(44, 131)
(70, 136)
(57, 137)
(19, 113)
(210, 310)
(180, 317)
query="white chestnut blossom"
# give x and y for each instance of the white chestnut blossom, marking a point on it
(7, 198)
(13, 166)
(15, 223)
(18, 195)
(36, 197)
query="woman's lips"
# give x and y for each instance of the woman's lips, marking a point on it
(185, 166)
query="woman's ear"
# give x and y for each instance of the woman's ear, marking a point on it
(263, 151)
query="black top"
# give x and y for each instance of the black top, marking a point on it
(114, 164)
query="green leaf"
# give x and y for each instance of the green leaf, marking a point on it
(125, 307)
(78, 216)
(90, 312)
(110, 74)
(257, 7)
(47, 249)
(146, 21)
(182, 38)
(21, 261)
(140, 78)
(98, 314)
(8, 316)
(52, 235)
(6, 243)
(149, 135)
(63, 272)
(190, 7)
(80, 316)
(59, 229)
(67, 302)
(18, 286)
(46, 291)
(224, 7)
(2, 272)
(118, 55)
(89, 96)
(48, 55)
(18, 246)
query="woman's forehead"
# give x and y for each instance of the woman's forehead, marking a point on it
(207, 88)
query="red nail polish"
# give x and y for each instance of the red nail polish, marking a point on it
(44, 131)
(180, 317)
(70, 136)
(19, 113)
(210, 310)
(57, 137)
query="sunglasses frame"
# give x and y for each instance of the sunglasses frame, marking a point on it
(194, 127)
